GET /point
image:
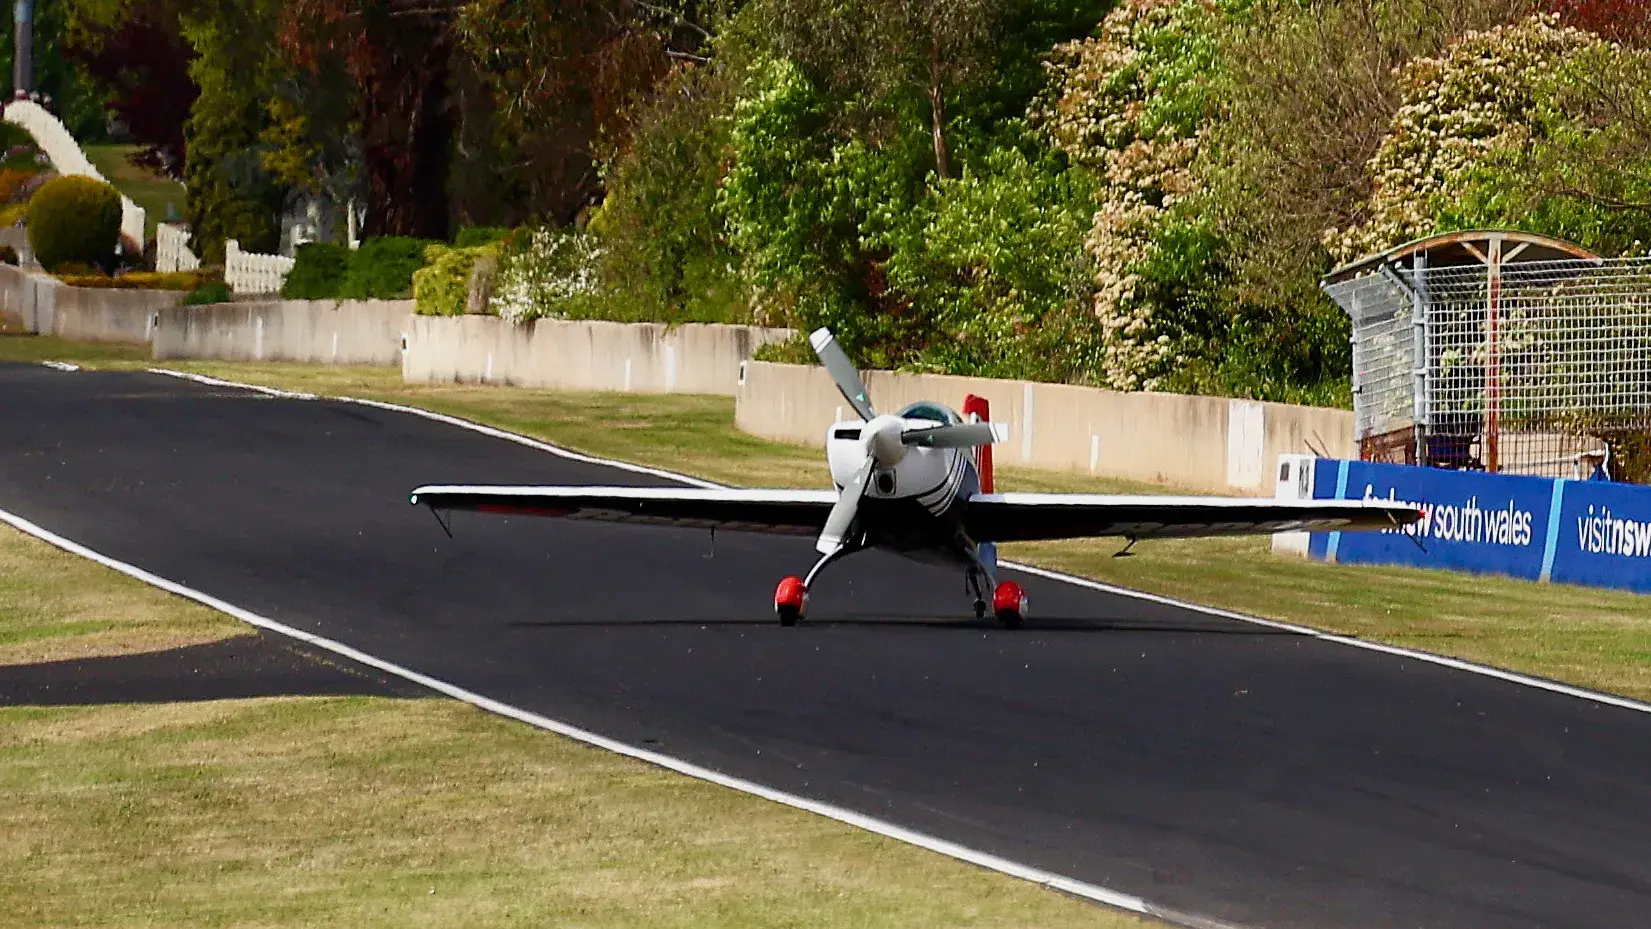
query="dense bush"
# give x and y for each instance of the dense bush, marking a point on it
(318, 272)
(75, 219)
(382, 268)
(208, 293)
(473, 236)
(443, 287)
(8, 255)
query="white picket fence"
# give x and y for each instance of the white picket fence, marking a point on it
(172, 249)
(252, 273)
(54, 139)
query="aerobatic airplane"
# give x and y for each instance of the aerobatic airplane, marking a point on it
(918, 483)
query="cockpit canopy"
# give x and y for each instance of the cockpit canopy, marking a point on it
(932, 412)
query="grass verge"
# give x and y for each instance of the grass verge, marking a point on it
(1593, 638)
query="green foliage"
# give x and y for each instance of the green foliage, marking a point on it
(665, 255)
(382, 268)
(996, 259)
(1584, 173)
(74, 219)
(442, 287)
(473, 236)
(318, 273)
(231, 192)
(214, 292)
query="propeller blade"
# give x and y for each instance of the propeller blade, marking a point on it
(841, 518)
(842, 370)
(962, 435)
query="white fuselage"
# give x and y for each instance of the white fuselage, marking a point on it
(930, 476)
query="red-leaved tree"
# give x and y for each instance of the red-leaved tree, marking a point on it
(398, 54)
(1625, 21)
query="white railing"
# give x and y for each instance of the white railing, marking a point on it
(54, 139)
(172, 249)
(252, 273)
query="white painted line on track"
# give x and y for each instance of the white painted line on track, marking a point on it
(61, 366)
(1048, 879)
(1456, 664)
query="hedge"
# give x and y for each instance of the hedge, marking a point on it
(382, 268)
(318, 273)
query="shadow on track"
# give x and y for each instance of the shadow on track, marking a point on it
(1214, 626)
(245, 666)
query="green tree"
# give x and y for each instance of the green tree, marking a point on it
(231, 193)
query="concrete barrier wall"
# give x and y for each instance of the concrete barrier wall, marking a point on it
(581, 355)
(325, 331)
(1207, 444)
(40, 304)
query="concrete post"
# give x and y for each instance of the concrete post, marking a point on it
(23, 62)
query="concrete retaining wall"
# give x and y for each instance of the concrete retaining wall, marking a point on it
(1207, 444)
(581, 355)
(351, 332)
(38, 303)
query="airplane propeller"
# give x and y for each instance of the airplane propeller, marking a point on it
(885, 438)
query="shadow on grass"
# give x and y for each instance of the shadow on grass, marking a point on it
(245, 666)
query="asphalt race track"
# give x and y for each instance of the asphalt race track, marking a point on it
(1219, 768)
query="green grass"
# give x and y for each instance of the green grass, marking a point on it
(1594, 638)
(146, 189)
(368, 812)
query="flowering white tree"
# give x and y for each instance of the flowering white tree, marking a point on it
(1462, 108)
(1134, 103)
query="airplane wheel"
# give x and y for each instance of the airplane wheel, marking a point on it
(1009, 604)
(789, 600)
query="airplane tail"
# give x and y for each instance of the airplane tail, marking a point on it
(978, 409)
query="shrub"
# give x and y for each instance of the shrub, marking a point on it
(545, 273)
(443, 286)
(213, 292)
(74, 219)
(14, 215)
(318, 273)
(382, 268)
(8, 255)
(474, 236)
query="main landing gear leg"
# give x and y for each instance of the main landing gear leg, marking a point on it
(791, 597)
(1008, 599)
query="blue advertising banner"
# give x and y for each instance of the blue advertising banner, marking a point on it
(1575, 532)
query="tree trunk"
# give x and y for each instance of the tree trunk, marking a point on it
(937, 107)
(408, 132)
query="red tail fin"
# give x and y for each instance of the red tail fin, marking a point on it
(979, 408)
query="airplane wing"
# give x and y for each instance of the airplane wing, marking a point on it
(1014, 517)
(798, 512)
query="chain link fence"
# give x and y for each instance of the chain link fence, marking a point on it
(1531, 368)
